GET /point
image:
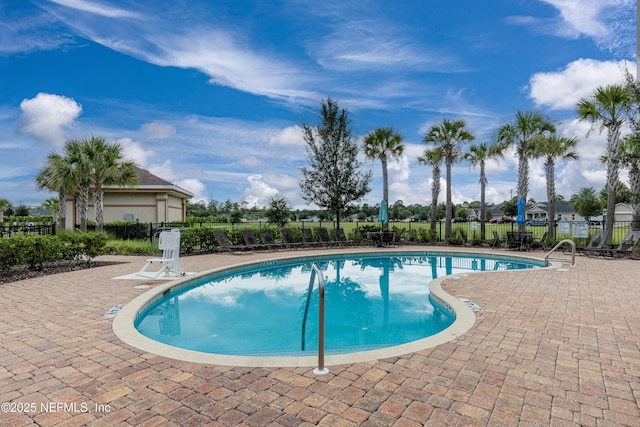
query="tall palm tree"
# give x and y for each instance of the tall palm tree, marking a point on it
(383, 144)
(107, 168)
(55, 176)
(77, 168)
(448, 134)
(522, 133)
(434, 159)
(607, 108)
(630, 157)
(551, 148)
(478, 156)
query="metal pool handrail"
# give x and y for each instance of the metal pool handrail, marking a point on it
(573, 252)
(320, 370)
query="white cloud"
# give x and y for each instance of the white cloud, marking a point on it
(250, 161)
(606, 22)
(97, 8)
(47, 116)
(258, 191)
(291, 135)
(564, 88)
(158, 130)
(164, 171)
(134, 151)
(195, 186)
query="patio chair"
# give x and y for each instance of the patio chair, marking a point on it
(289, 240)
(497, 241)
(323, 235)
(625, 248)
(266, 235)
(397, 237)
(308, 239)
(250, 240)
(341, 238)
(169, 243)
(224, 243)
(543, 241)
(597, 243)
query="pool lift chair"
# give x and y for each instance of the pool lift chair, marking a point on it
(169, 243)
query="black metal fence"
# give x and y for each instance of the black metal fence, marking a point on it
(13, 230)
(468, 231)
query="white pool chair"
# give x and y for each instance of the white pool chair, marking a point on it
(169, 243)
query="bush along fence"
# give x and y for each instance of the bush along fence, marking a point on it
(36, 252)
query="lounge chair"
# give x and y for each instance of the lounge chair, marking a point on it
(323, 235)
(543, 241)
(342, 240)
(626, 247)
(224, 243)
(497, 241)
(169, 243)
(397, 237)
(266, 235)
(289, 240)
(597, 243)
(308, 239)
(250, 240)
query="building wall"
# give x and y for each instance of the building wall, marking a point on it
(131, 206)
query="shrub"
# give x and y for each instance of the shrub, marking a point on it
(131, 247)
(35, 251)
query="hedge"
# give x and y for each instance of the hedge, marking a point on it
(35, 251)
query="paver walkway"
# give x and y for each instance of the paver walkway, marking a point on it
(551, 347)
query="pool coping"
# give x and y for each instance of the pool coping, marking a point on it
(464, 321)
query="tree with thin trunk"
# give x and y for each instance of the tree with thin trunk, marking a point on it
(478, 155)
(448, 134)
(107, 169)
(333, 180)
(630, 157)
(551, 148)
(630, 148)
(383, 144)
(434, 159)
(607, 108)
(55, 176)
(522, 133)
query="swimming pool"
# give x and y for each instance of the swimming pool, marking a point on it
(374, 301)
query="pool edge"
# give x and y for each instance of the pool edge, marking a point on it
(465, 319)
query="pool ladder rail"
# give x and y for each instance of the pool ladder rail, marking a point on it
(571, 243)
(315, 271)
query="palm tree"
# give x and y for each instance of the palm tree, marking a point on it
(630, 157)
(550, 148)
(586, 203)
(57, 175)
(448, 134)
(522, 133)
(607, 107)
(383, 144)
(478, 156)
(107, 168)
(433, 158)
(77, 169)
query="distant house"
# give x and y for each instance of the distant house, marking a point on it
(152, 199)
(563, 211)
(623, 213)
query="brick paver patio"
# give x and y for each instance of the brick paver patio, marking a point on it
(552, 347)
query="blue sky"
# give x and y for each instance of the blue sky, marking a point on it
(211, 95)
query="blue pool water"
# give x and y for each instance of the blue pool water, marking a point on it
(372, 301)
